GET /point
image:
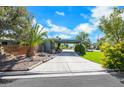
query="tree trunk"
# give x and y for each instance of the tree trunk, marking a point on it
(30, 52)
(58, 47)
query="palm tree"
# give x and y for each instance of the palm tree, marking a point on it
(58, 47)
(36, 37)
(84, 38)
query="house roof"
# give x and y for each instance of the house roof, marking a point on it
(7, 38)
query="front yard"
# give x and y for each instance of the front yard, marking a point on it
(94, 56)
(23, 63)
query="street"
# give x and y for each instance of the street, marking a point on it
(69, 81)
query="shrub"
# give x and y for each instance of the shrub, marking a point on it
(114, 56)
(80, 49)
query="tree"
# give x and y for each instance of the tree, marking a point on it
(113, 46)
(35, 38)
(80, 49)
(14, 22)
(113, 26)
(99, 42)
(84, 38)
(58, 44)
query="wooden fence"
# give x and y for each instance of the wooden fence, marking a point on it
(15, 49)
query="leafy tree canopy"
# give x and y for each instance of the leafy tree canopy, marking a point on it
(113, 26)
(14, 22)
(84, 38)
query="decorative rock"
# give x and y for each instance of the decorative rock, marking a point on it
(2, 51)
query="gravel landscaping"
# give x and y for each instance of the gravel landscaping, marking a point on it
(23, 63)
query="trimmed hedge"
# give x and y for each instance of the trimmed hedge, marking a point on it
(80, 49)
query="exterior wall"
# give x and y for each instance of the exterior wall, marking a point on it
(41, 48)
(7, 42)
(47, 47)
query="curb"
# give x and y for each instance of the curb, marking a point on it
(35, 65)
(35, 75)
(17, 73)
(39, 63)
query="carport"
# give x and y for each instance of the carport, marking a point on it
(69, 41)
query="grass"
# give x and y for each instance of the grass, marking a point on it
(94, 56)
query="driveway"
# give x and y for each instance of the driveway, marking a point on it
(68, 62)
(65, 70)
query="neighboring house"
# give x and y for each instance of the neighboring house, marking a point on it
(7, 41)
(47, 46)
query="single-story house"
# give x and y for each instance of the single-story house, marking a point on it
(7, 41)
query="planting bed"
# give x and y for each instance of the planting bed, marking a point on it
(23, 63)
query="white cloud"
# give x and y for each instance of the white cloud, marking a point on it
(122, 15)
(62, 36)
(84, 15)
(41, 27)
(61, 31)
(34, 21)
(60, 13)
(98, 12)
(67, 33)
(56, 28)
(85, 27)
(49, 22)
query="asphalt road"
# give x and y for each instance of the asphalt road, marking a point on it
(68, 81)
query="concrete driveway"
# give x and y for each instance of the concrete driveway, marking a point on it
(65, 70)
(68, 62)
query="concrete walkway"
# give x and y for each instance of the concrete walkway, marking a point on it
(68, 62)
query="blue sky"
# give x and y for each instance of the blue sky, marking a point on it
(67, 21)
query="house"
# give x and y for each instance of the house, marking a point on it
(7, 41)
(48, 46)
(51, 45)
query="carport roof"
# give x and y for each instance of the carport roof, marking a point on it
(67, 41)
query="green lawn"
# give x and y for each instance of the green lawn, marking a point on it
(94, 56)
